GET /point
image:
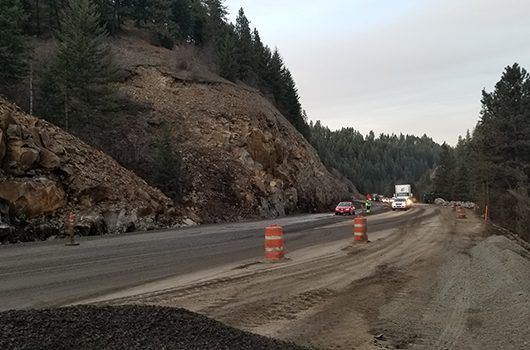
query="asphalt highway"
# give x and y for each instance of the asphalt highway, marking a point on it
(47, 274)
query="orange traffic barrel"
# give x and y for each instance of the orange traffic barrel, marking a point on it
(460, 213)
(360, 229)
(274, 248)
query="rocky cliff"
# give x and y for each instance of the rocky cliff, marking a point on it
(242, 157)
(46, 173)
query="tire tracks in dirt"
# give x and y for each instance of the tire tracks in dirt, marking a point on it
(329, 301)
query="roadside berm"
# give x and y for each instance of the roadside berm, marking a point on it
(436, 282)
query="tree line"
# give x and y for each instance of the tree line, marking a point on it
(491, 165)
(376, 164)
(83, 58)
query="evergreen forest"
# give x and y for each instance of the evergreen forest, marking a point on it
(491, 165)
(376, 164)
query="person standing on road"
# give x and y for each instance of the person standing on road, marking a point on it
(368, 206)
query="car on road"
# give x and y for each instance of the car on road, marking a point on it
(401, 203)
(345, 208)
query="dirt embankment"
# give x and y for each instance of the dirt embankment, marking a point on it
(434, 283)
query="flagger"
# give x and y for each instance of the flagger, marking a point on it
(368, 206)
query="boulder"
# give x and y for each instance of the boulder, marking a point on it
(440, 201)
(95, 194)
(49, 160)
(91, 224)
(120, 221)
(20, 157)
(50, 144)
(5, 231)
(6, 119)
(33, 197)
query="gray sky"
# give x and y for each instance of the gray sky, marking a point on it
(410, 66)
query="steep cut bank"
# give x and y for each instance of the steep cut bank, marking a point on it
(46, 173)
(241, 157)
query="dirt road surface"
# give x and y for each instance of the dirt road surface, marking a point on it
(435, 282)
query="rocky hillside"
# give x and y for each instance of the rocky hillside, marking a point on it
(45, 173)
(241, 157)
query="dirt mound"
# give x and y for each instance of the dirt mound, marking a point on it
(46, 173)
(476, 295)
(124, 327)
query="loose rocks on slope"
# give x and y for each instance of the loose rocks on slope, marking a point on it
(124, 327)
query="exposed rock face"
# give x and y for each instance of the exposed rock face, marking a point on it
(45, 171)
(242, 156)
(33, 197)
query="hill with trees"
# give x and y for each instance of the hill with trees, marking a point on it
(198, 107)
(376, 164)
(82, 60)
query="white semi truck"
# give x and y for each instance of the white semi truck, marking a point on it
(403, 191)
(402, 197)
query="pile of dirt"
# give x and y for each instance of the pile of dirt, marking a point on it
(124, 327)
(46, 173)
(476, 295)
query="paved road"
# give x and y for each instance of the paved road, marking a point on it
(50, 274)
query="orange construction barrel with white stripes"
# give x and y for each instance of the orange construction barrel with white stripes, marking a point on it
(460, 213)
(274, 247)
(360, 229)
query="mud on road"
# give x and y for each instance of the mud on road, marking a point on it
(433, 283)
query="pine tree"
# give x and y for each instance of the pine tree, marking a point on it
(13, 46)
(244, 54)
(444, 174)
(167, 165)
(139, 11)
(182, 15)
(164, 28)
(80, 79)
(227, 52)
(501, 145)
(261, 55)
(216, 21)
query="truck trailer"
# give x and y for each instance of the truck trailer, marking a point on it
(403, 191)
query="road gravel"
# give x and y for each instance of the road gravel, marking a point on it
(124, 327)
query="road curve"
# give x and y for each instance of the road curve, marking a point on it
(51, 274)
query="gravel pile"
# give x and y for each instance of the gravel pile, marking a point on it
(124, 327)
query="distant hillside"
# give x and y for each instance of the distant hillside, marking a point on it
(376, 164)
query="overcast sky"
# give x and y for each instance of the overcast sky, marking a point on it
(394, 66)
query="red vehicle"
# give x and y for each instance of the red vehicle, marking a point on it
(345, 208)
